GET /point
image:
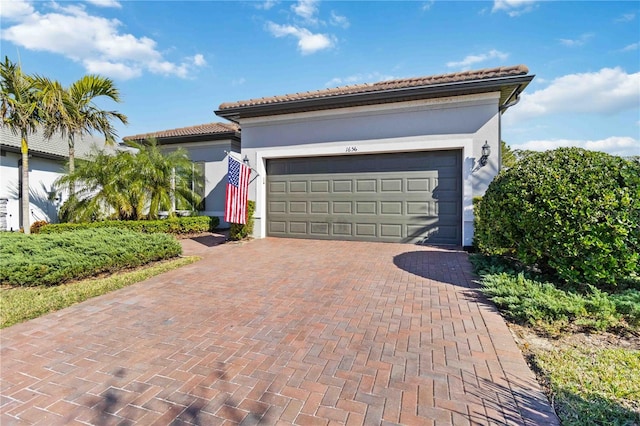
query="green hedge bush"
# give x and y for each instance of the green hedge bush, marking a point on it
(571, 212)
(238, 231)
(178, 225)
(54, 259)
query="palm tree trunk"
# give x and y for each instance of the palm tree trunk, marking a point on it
(26, 217)
(72, 167)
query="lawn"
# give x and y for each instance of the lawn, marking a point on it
(19, 304)
(583, 343)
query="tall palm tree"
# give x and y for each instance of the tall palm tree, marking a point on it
(20, 110)
(74, 113)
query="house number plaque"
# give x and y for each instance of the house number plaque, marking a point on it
(351, 149)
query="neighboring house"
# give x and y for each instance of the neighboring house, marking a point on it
(207, 145)
(47, 159)
(396, 161)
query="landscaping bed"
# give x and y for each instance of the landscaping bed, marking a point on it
(583, 344)
(46, 260)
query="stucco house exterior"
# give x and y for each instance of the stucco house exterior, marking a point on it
(396, 161)
(207, 145)
(47, 159)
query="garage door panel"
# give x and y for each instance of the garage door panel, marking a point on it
(409, 197)
(320, 186)
(341, 229)
(298, 207)
(319, 228)
(342, 207)
(366, 185)
(298, 186)
(319, 207)
(343, 186)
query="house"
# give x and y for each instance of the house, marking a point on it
(47, 159)
(396, 161)
(207, 145)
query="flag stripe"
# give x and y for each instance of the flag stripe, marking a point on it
(235, 208)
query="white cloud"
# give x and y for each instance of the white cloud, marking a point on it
(105, 3)
(15, 9)
(631, 47)
(266, 5)
(576, 42)
(627, 17)
(624, 146)
(114, 70)
(308, 42)
(199, 61)
(306, 9)
(474, 59)
(238, 81)
(357, 79)
(339, 21)
(94, 41)
(607, 91)
(427, 5)
(513, 7)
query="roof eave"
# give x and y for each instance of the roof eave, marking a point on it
(383, 96)
(169, 140)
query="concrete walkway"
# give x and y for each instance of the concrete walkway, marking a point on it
(277, 331)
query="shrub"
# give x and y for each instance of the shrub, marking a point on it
(239, 231)
(571, 212)
(35, 226)
(178, 225)
(53, 259)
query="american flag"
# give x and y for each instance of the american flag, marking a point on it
(235, 208)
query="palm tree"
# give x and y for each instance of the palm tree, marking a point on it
(20, 109)
(74, 113)
(131, 185)
(166, 176)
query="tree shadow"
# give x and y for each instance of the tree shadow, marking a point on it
(188, 407)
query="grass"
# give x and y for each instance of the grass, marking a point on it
(593, 386)
(18, 304)
(588, 383)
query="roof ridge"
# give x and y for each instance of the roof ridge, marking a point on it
(196, 129)
(402, 83)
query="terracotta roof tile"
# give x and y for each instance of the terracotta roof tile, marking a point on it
(404, 83)
(199, 129)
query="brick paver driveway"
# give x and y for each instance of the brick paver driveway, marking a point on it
(278, 331)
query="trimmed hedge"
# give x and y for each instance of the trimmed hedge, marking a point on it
(571, 212)
(178, 225)
(54, 259)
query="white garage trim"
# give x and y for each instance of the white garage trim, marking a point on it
(404, 144)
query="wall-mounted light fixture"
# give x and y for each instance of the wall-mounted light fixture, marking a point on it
(486, 150)
(245, 160)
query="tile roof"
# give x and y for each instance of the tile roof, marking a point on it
(197, 130)
(405, 83)
(56, 146)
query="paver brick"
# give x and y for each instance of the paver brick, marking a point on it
(277, 331)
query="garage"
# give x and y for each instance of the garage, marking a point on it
(411, 197)
(396, 160)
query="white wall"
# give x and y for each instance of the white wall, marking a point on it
(463, 122)
(42, 173)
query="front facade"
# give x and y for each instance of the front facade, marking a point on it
(207, 145)
(396, 161)
(47, 159)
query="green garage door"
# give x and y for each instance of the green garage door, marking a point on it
(408, 197)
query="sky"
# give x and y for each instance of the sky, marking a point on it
(175, 62)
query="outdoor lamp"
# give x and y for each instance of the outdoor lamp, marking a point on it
(245, 160)
(486, 150)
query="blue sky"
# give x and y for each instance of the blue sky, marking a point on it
(175, 62)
